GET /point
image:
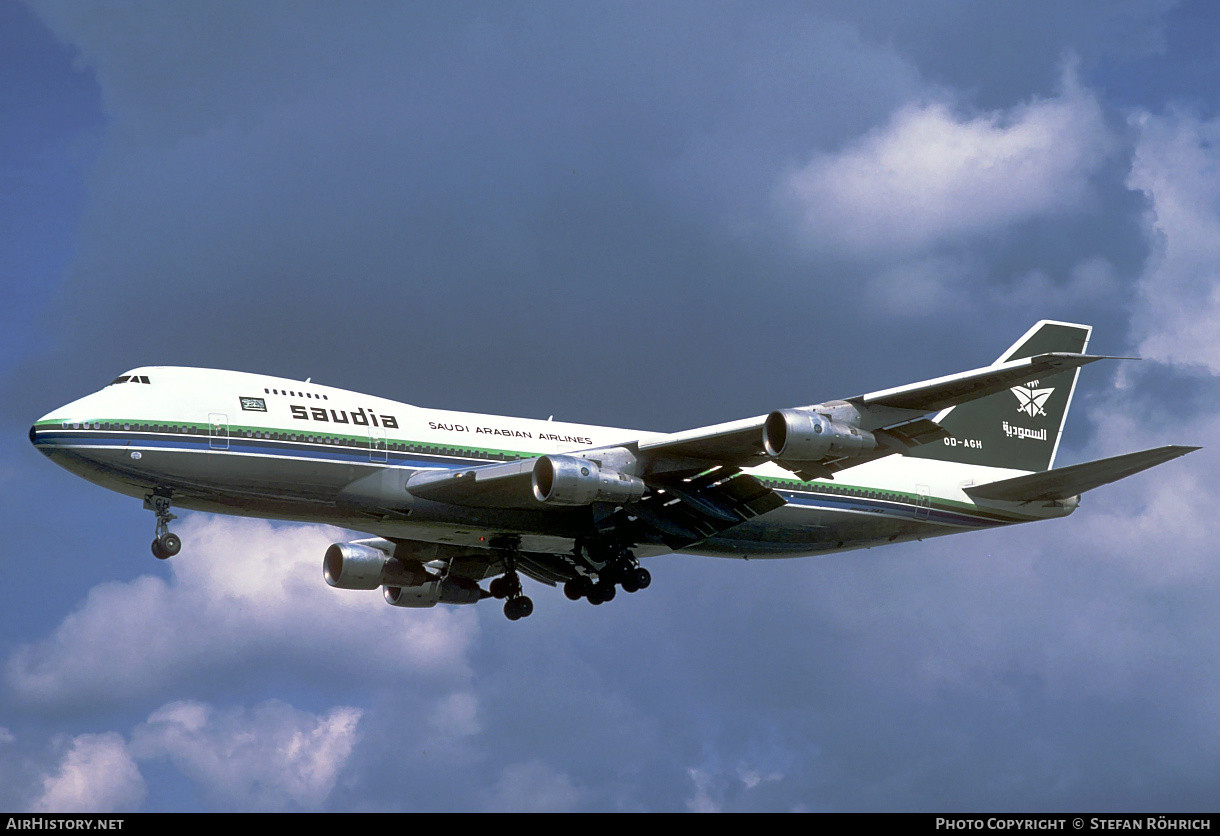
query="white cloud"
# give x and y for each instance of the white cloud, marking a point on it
(270, 757)
(243, 592)
(534, 787)
(702, 801)
(457, 715)
(941, 286)
(96, 775)
(752, 778)
(1177, 165)
(716, 789)
(932, 174)
(267, 758)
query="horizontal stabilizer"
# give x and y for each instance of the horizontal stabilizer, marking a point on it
(1051, 485)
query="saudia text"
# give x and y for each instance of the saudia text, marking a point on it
(341, 416)
(1022, 432)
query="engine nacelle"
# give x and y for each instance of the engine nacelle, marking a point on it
(570, 480)
(794, 435)
(433, 592)
(354, 566)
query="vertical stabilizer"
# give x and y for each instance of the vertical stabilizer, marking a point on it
(1019, 428)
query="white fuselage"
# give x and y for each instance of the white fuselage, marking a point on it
(263, 446)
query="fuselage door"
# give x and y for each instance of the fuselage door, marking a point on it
(923, 502)
(218, 431)
(378, 447)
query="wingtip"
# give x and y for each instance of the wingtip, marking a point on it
(1082, 358)
(1176, 451)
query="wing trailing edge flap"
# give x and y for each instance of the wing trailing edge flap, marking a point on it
(687, 511)
(1061, 483)
(550, 569)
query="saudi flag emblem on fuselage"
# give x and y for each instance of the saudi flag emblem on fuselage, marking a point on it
(1032, 401)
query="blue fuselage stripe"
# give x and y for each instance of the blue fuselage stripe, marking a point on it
(304, 450)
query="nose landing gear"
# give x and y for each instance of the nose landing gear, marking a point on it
(166, 544)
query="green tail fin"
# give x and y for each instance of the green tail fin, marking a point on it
(1019, 428)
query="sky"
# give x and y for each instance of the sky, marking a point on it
(653, 215)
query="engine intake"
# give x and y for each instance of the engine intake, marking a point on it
(797, 436)
(569, 480)
(354, 566)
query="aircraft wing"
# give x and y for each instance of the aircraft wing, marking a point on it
(680, 511)
(895, 416)
(695, 484)
(944, 392)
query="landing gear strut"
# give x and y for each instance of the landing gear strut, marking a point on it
(166, 544)
(508, 587)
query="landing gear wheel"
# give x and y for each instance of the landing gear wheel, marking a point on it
(605, 591)
(574, 589)
(171, 543)
(508, 586)
(515, 608)
(158, 550)
(642, 578)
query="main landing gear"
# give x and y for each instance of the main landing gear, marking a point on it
(621, 568)
(507, 587)
(166, 544)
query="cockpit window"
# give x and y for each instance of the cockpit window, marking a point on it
(122, 379)
(134, 378)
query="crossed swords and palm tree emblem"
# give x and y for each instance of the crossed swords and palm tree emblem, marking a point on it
(1032, 401)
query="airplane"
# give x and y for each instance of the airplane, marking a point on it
(453, 499)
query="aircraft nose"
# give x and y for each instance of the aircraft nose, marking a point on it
(39, 431)
(35, 432)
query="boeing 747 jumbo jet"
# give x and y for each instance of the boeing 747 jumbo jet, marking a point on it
(454, 499)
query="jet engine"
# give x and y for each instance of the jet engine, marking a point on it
(364, 565)
(354, 566)
(797, 436)
(569, 480)
(433, 592)
(359, 565)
